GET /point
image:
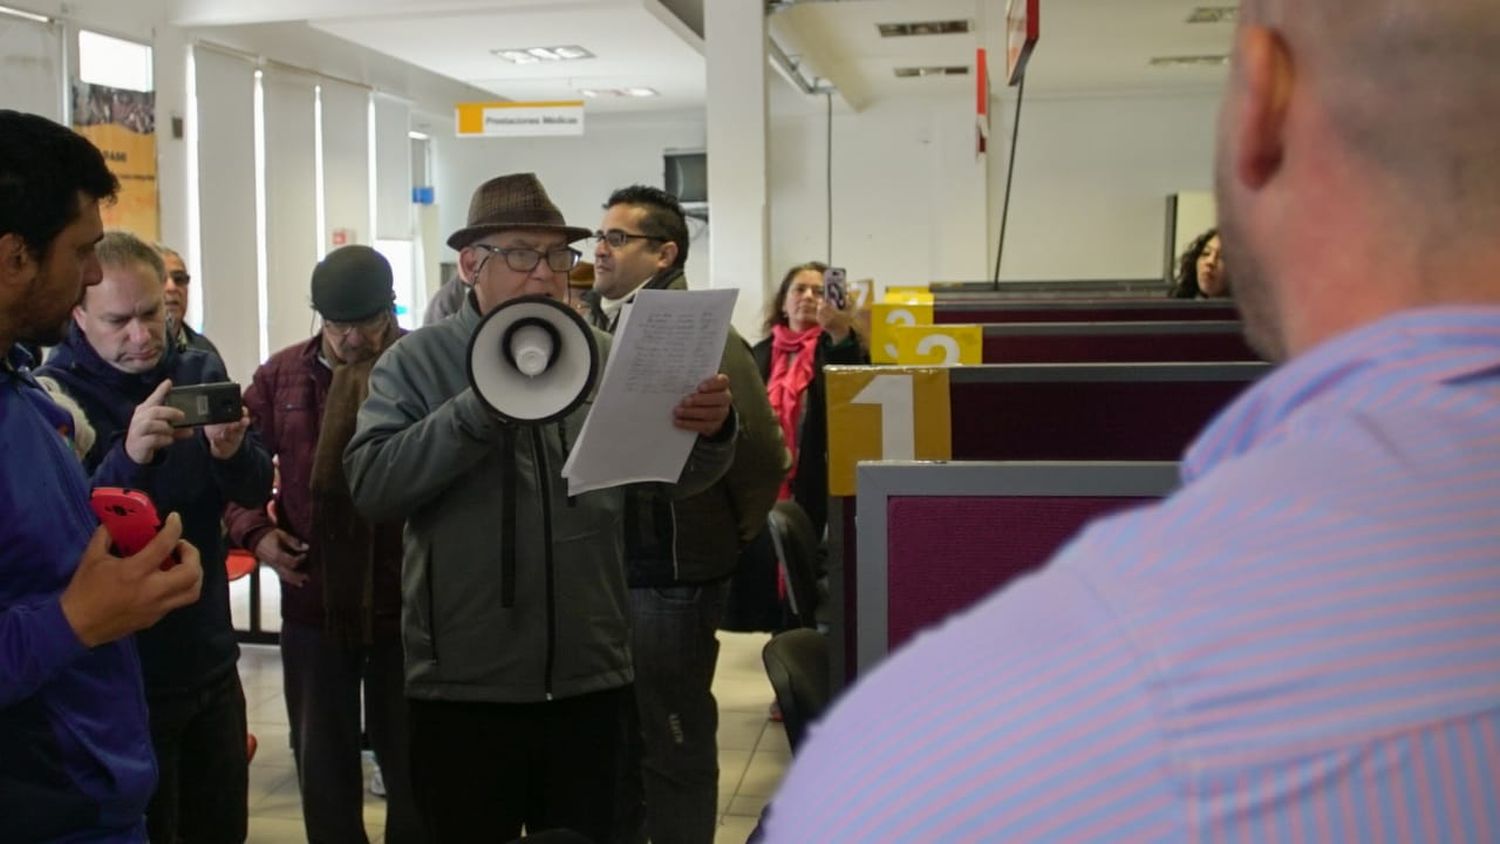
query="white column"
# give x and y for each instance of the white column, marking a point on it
(739, 231)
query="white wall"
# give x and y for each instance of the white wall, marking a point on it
(1092, 182)
(908, 191)
(578, 172)
(912, 205)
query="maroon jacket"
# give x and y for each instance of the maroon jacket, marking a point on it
(286, 399)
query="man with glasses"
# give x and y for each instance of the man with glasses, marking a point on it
(117, 365)
(680, 550)
(340, 575)
(175, 297)
(514, 601)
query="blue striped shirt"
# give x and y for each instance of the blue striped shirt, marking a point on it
(1302, 644)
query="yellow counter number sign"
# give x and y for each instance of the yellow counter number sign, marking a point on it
(884, 318)
(884, 413)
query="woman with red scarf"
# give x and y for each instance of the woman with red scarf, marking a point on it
(806, 332)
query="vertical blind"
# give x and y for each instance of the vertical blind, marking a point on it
(31, 74)
(291, 205)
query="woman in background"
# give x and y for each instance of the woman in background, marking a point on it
(1200, 270)
(805, 332)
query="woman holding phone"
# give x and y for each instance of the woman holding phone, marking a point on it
(805, 331)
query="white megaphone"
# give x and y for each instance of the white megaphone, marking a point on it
(532, 360)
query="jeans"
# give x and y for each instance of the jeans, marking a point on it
(204, 786)
(676, 649)
(323, 678)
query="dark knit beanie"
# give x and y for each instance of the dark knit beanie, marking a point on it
(353, 283)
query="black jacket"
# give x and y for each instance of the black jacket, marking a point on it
(810, 486)
(192, 646)
(672, 539)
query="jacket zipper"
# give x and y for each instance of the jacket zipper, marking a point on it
(539, 449)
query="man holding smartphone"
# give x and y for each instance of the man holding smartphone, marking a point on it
(115, 362)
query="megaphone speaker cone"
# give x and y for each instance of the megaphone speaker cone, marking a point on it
(532, 360)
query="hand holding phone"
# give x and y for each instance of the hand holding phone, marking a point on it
(835, 287)
(130, 517)
(205, 404)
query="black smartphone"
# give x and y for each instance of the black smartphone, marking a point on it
(206, 404)
(836, 287)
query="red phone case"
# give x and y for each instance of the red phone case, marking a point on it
(130, 517)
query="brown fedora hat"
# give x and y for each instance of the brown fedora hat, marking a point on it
(516, 201)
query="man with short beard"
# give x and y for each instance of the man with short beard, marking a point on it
(340, 575)
(75, 756)
(1302, 643)
(116, 363)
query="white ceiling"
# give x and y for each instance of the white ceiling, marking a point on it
(1087, 46)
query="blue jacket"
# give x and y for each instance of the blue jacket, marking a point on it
(75, 746)
(195, 645)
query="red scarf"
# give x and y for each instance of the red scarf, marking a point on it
(792, 356)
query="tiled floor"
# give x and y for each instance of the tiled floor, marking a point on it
(753, 751)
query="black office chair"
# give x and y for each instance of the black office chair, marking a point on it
(797, 665)
(796, 547)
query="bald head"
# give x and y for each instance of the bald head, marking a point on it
(1359, 163)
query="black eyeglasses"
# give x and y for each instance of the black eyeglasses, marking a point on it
(617, 238)
(180, 277)
(525, 260)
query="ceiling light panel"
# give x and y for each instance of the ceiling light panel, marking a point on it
(1190, 61)
(1214, 14)
(532, 55)
(910, 28)
(932, 70)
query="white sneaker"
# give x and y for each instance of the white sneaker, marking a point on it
(377, 783)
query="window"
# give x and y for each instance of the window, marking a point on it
(114, 62)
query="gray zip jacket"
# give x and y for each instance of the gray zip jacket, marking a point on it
(511, 591)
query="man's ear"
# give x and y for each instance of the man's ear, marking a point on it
(1261, 104)
(15, 258)
(468, 265)
(78, 314)
(668, 255)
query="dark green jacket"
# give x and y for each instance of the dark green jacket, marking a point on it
(476, 492)
(672, 537)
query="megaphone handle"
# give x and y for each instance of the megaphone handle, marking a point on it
(508, 488)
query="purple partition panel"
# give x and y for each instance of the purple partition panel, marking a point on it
(945, 553)
(1186, 347)
(999, 314)
(1102, 420)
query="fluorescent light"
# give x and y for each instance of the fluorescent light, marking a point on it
(31, 16)
(901, 30)
(1214, 14)
(932, 70)
(640, 92)
(588, 92)
(529, 55)
(417, 136)
(1190, 61)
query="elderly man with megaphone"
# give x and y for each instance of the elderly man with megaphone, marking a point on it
(514, 609)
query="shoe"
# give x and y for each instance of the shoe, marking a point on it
(377, 783)
(775, 713)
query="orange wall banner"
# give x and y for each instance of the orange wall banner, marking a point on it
(122, 124)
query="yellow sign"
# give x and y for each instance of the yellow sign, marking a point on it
(122, 124)
(883, 318)
(908, 295)
(519, 120)
(939, 345)
(882, 413)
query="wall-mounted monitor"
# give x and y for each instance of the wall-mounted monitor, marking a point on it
(686, 176)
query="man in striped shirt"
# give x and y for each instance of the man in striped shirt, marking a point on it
(1304, 642)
